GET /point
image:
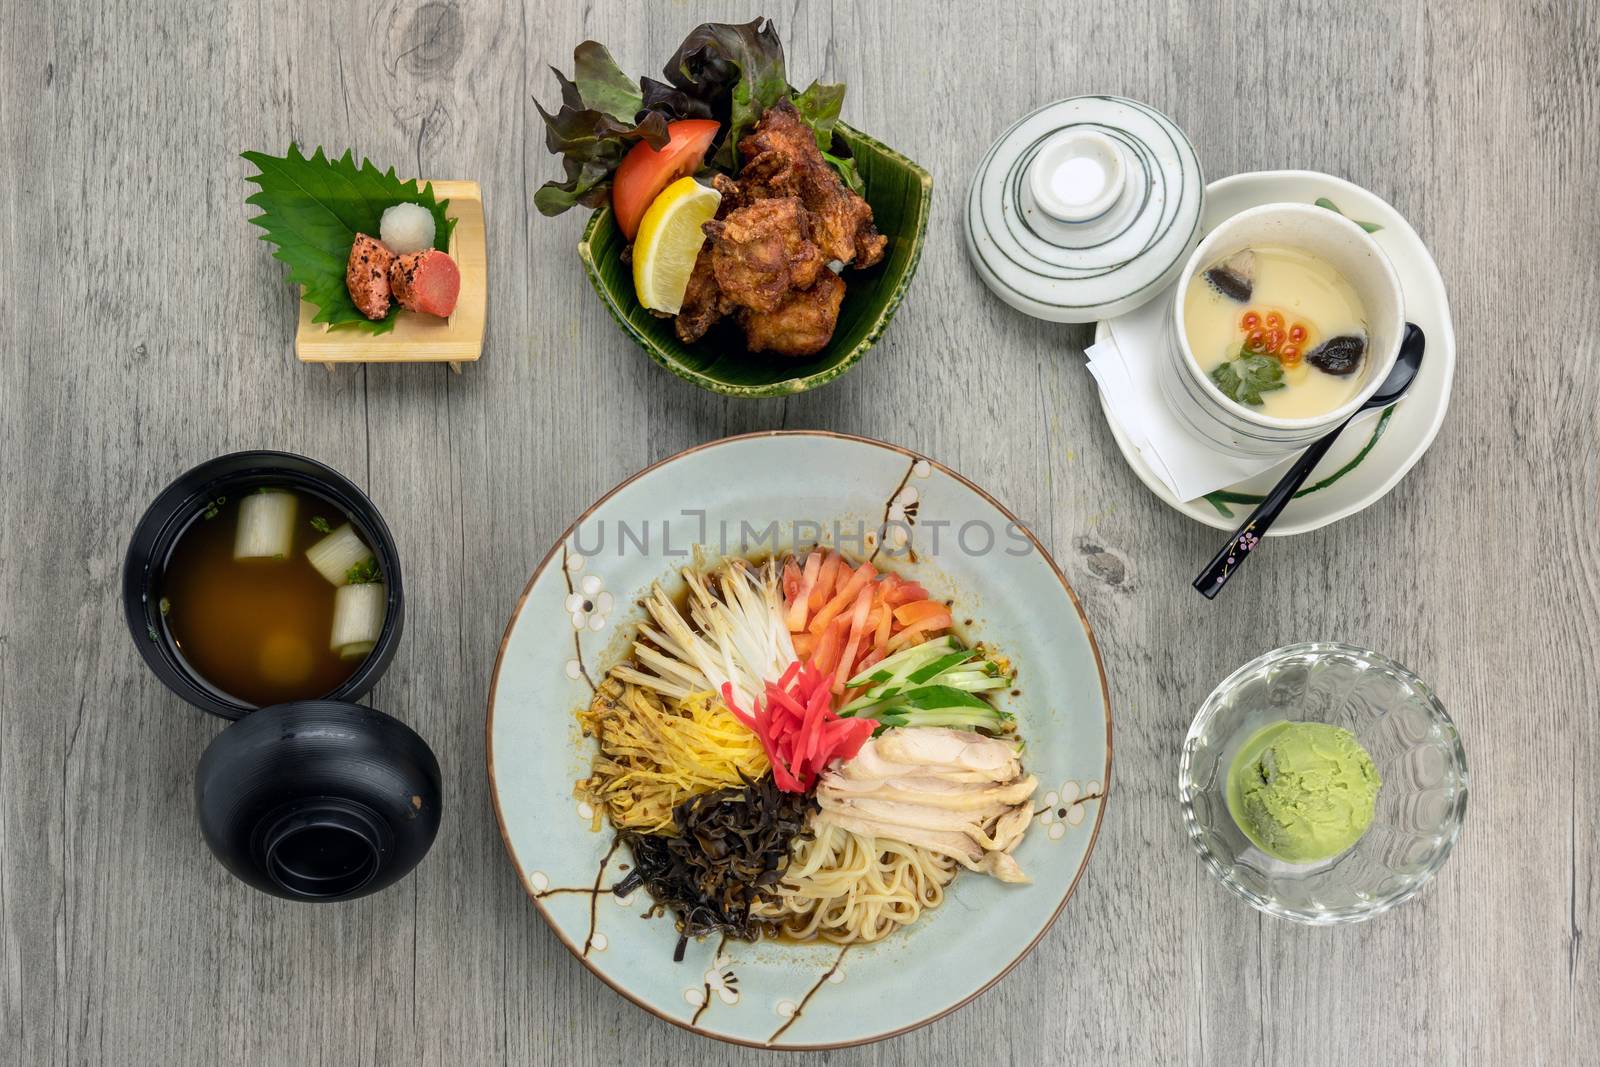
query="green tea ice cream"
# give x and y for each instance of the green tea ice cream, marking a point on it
(1303, 791)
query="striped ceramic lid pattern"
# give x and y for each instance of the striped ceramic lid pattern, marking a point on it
(1050, 264)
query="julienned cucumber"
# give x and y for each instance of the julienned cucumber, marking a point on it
(903, 663)
(931, 684)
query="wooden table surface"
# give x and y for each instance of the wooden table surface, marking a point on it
(146, 329)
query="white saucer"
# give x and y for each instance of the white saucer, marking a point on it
(1370, 467)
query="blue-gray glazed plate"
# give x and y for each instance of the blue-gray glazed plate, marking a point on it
(763, 492)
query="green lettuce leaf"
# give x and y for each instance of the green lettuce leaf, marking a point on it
(1246, 378)
(313, 207)
(600, 84)
(730, 72)
(591, 144)
(743, 60)
(819, 106)
(597, 123)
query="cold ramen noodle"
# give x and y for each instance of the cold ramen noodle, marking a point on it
(1277, 330)
(803, 748)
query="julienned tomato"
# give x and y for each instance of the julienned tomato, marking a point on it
(645, 171)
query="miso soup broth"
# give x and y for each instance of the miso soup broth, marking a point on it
(1278, 330)
(272, 596)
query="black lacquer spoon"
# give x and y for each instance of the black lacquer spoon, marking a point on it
(1245, 539)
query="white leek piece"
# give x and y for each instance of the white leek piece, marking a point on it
(336, 554)
(738, 638)
(358, 612)
(266, 526)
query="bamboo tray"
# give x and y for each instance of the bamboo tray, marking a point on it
(418, 338)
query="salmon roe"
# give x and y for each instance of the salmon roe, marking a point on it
(1267, 333)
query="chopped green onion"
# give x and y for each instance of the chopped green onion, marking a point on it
(363, 573)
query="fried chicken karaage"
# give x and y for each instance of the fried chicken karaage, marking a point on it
(802, 324)
(779, 228)
(762, 251)
(702, 302)
(781, 159)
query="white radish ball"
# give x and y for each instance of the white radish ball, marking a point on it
(406, 228)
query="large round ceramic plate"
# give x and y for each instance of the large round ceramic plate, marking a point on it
(751, 494)
(1370, 457)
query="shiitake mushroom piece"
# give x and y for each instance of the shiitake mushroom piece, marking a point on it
(1338, 355)
(1234, 277)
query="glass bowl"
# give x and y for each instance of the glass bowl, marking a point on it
(1401, 724)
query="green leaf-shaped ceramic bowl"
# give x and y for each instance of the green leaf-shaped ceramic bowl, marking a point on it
(900, 193)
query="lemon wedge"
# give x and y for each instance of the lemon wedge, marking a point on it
(669, 242)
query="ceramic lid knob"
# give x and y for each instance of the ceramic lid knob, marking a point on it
(1077, 175)
(1085, 209)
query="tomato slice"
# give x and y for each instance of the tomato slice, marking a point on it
(645, 171)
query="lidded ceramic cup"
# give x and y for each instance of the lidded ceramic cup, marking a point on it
(1085, 209)
(1240, 430)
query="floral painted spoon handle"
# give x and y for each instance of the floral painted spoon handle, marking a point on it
(1247, 537)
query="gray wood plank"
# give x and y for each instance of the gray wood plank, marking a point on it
(121, 941)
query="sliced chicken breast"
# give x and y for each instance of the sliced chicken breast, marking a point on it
(956, 793)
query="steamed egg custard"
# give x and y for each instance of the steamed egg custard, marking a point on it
(1277, 330)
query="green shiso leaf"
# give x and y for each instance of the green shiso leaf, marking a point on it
(313, 207)
(1246, 378)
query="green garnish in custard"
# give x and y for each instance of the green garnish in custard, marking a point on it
(1244, 379)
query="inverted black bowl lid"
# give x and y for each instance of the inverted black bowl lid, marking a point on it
(318, 800)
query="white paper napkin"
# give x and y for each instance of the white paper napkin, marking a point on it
(1126, 365)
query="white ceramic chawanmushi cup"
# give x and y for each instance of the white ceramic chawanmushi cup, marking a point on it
(1340, 243)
